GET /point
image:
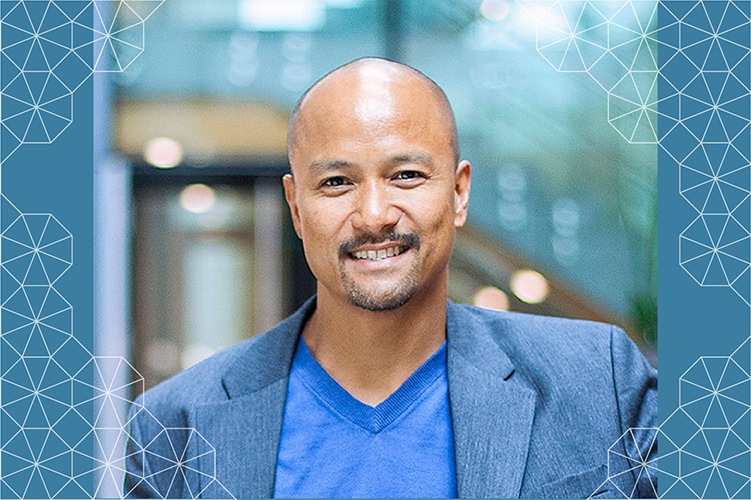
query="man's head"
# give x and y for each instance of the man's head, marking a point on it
(377, 188)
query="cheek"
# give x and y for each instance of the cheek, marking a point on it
(316, 218)
(320, 233)
(437, 224)
(439, 211)
(442, 233)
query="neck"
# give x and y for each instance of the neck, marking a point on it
(370, 354)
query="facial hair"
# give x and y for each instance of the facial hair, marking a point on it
(391, 297)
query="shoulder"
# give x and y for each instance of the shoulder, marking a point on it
(238, 370)
(201, 383)
(539, 345)
(535, 333)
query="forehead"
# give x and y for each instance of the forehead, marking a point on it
(369, 108)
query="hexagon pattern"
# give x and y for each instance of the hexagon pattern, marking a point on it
(50, 381)
(49, 49)
(705, 443)
(702, 71)
(64, 414)
(698, 55)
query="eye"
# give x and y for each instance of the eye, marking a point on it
(333, 182)
(409, 177)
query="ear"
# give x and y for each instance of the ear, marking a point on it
(289, 193)
(462, 184)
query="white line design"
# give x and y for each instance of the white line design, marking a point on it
(703, 109)
(49, 49)
(59, 400)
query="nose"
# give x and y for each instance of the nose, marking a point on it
(375, 212)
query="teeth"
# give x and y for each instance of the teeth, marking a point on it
(378, 254)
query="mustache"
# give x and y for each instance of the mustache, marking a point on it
(411, 240)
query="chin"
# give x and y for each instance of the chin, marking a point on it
(380, 294)
(381, 298)
(374, 303)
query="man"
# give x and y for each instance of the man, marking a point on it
(379, 387)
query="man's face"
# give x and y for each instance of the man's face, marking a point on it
(375, 195)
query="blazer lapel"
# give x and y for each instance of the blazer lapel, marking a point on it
(245, 430)
(245, 433)
(491, 412)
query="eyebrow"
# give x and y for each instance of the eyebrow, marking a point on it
(401, 159)
(424, 158)
(325, 165)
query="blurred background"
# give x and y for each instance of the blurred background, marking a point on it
(195, 248)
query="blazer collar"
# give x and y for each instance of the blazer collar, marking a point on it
(491, 411)
(471, 332)
(245, 430)
(267, 358)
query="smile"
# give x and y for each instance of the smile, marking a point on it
(380, 254)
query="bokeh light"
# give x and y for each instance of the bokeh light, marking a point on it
(530, 286)
(197, 198)
(490, 297)
(163, 152)
(495, 10)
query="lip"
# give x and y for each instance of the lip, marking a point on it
(375, 248)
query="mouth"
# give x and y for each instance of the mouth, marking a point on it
(380, 253)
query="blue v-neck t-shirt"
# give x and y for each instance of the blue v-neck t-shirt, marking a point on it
(334, 446)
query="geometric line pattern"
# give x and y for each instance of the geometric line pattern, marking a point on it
(697, 56)
(64, 418)
(52, 382)
(49, 49)
(705, 443)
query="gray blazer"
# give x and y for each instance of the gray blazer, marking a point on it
(536, 403)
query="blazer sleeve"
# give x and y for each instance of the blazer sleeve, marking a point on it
(635, 383)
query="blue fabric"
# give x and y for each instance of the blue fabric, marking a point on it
(332, 445)
(540, 408)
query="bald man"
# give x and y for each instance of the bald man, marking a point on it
(379, 386)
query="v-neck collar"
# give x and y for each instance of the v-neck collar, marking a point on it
(371, 418)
